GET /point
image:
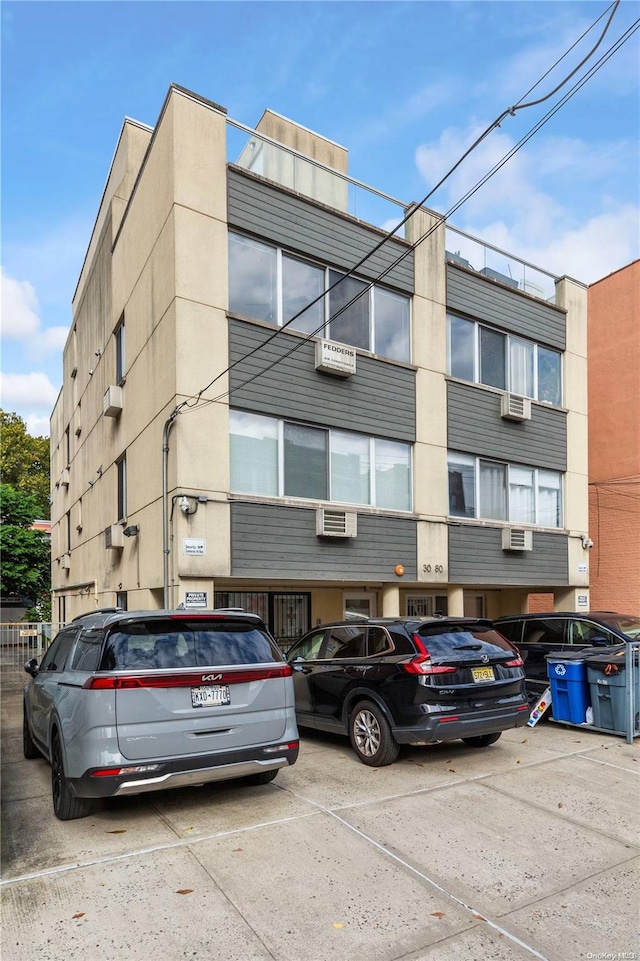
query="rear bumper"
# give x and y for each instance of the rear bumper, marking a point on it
(184, 772)
(452, 725)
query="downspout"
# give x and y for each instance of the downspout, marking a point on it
(165, 547)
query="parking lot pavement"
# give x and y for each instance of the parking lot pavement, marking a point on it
(527, 849)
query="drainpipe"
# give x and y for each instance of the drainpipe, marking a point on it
(165, 548)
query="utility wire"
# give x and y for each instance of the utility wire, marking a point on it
(510, 111)
(577, 86)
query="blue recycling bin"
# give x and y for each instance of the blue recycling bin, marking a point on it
(570, 696)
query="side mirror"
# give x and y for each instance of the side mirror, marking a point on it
(31, 667)
(599, 641)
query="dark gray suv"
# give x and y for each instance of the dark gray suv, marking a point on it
(128, 702)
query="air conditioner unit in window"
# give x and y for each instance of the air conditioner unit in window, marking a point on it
(65, 562)
(112, 403)
(331, 523)
(64, 480)
(516, 539)
(514, 407)
(114, 537)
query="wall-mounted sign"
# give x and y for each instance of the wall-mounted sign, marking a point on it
(195, 599)
(582, 568)
(334, 358)
(194, 546)
(583, 600)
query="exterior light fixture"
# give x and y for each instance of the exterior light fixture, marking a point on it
(131, 531)
(399, 569)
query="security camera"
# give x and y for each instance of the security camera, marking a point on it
(587, 543)
(184, 505)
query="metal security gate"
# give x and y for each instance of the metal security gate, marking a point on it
(287, 615)
(21, 641)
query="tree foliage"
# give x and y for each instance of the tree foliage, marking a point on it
(26, 556)
(24, 461)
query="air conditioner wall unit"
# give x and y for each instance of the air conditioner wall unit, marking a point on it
(330, 523)
(514, 407)
(65, 562)
(516, 539)
(113, 537)
(112, 402)
(64, 479)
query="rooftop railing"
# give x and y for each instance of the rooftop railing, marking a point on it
(256, 152)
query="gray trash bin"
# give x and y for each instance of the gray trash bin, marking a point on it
(607, 677)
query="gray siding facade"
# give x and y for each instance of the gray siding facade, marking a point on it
(474, 426)
(483, 299)
(271, 541)
(311, 229)
(476, 557)
(379, 399)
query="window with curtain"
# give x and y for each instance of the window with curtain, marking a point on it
(522, 506)
(254, 453)
(252, 279)
(549, 498)
(305, 462)
(493, 490)
(521, 367)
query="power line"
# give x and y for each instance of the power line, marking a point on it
(442, 219)
(510, 111)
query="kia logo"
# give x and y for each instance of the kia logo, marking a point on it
(212, 677)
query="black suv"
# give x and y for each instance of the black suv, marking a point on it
(537, 635)
(403, 680)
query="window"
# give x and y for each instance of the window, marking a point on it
(489, 489)
(87, 653)
(121, 467)
(346, 642)
(284, 459)
(121, 367)
(121, 600)
(67, 447)
(425, 605)
(268, 284)
(310, 647)
(252, 279)
(67, 518)
(486, 356)
(55, 657)
(254, 453)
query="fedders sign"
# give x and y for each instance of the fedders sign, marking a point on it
(334, 358)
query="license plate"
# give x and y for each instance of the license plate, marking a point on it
(211, 696)
(483, 674)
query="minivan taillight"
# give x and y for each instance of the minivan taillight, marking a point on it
(122, 682)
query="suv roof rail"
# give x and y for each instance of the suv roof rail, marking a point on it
(99, 610)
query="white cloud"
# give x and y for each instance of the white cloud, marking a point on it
(32, 391)
(526, 208)
(21, 319)
(37, 426)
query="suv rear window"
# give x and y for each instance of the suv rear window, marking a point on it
(178, 643)
(439, 640)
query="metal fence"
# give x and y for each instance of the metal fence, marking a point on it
(22, 641)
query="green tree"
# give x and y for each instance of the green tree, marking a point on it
(24, 461)
(26, 555)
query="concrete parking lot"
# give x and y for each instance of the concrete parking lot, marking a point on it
(527, 849)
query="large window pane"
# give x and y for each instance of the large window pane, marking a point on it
(350, 468)
(305, 462)
(522, 507)
(462, 490)
(461, 348)
(301, 284)
(492, 358)
(391, 325)
(252, 279)
(352, 326)
(549, 380)
(493, 490)
(393, 475)
(521, 367)
(254, 453)
(549, 498)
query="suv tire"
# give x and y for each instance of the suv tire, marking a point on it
(371, 736)
(66, 806)
(29, 748)
(263, 777)
(483, 740)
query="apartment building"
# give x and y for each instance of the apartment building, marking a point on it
(268, 403)
(614, 439)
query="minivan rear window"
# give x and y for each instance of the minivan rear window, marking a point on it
(178, 643)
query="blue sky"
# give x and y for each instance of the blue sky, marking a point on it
(406, 87)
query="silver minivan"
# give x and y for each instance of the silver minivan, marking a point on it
(128, 702)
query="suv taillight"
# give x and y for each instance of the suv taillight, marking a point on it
(517, 660)
(421, 663)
